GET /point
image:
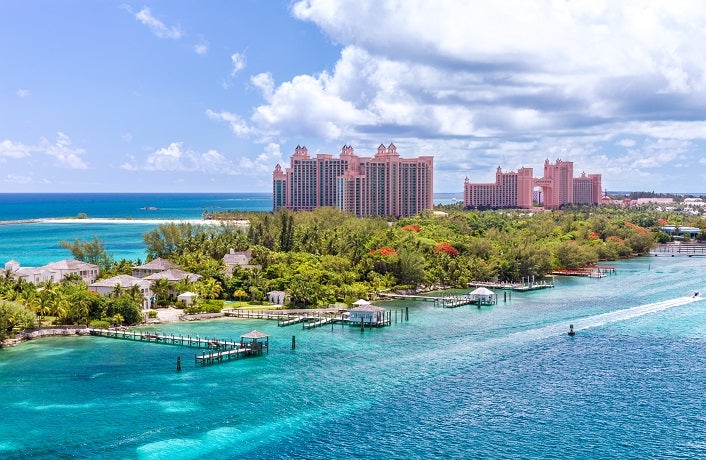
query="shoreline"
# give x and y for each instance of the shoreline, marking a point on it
(122, 221)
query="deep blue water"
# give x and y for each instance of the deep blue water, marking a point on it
(500, 382)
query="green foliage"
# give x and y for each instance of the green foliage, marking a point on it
(14, 316)
(205, 306)
(100, 324)
(90, 251)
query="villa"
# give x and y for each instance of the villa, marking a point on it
(126, 282)
(150, 268)
(54, 272)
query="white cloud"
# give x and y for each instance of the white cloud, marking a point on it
(238, 63)
(175, 158)
(62, 150)
(156, 26)
(265, 83)
(18, 179)
(237, 124)
(201, 47)
(23, 93)
(11, 149)
(264, 162)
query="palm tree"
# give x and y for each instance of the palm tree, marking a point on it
(161, 289)
(210, 288)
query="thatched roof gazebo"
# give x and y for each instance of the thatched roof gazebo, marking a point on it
(253, 341)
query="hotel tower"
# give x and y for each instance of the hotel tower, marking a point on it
(381, 185)
(556, 188)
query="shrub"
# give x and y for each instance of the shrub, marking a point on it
(99, 324)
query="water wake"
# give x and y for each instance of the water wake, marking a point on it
(603, 318)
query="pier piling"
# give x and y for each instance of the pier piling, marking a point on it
(294, 342)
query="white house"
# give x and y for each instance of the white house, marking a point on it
(150, 268)
(54, 272)
(107, 286)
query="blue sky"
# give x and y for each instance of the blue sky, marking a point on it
(173, 95)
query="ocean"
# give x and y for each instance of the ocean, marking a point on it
(37, 243)
(504, 381)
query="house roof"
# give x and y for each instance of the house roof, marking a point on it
(237, 257)
(70, 264)
(174, 274)
(121, 280)
(157, 264)
(187, 295)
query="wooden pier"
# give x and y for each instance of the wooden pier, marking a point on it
(156, 337)
(672, 249)
(591, 271)
(250, 344)
(520, 287)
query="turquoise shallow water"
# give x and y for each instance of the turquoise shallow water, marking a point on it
(500, 382)
(35, 244)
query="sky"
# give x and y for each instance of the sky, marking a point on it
(184, 96)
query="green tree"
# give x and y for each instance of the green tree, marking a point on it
(90, 251)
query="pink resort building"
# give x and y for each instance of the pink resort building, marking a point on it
(381, 185)
(520, 189)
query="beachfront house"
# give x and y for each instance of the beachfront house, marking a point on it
(367, 314)
(154, 266)
(54, 271)
(124, 282)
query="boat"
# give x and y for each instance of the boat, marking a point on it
(571, 330)
(149, 208)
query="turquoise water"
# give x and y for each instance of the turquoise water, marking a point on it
(35, 244)
(500, 382)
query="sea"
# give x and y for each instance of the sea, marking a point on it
(32, 225)
(497, 382)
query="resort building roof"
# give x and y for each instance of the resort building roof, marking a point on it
(174, 274)
(125, 281)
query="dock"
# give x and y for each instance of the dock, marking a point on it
(250, 344)
(591, 271)
(520, 287)
(156, 337)
(687, 249)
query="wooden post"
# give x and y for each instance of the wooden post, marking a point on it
(505, 296)
(294, 342)
(406, 313)
(178, 363)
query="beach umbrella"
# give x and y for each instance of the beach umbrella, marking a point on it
(360, 302)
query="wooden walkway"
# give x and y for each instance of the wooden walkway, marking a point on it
(689, 249)
(156, 337)
(220, 349)
(521, 287)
